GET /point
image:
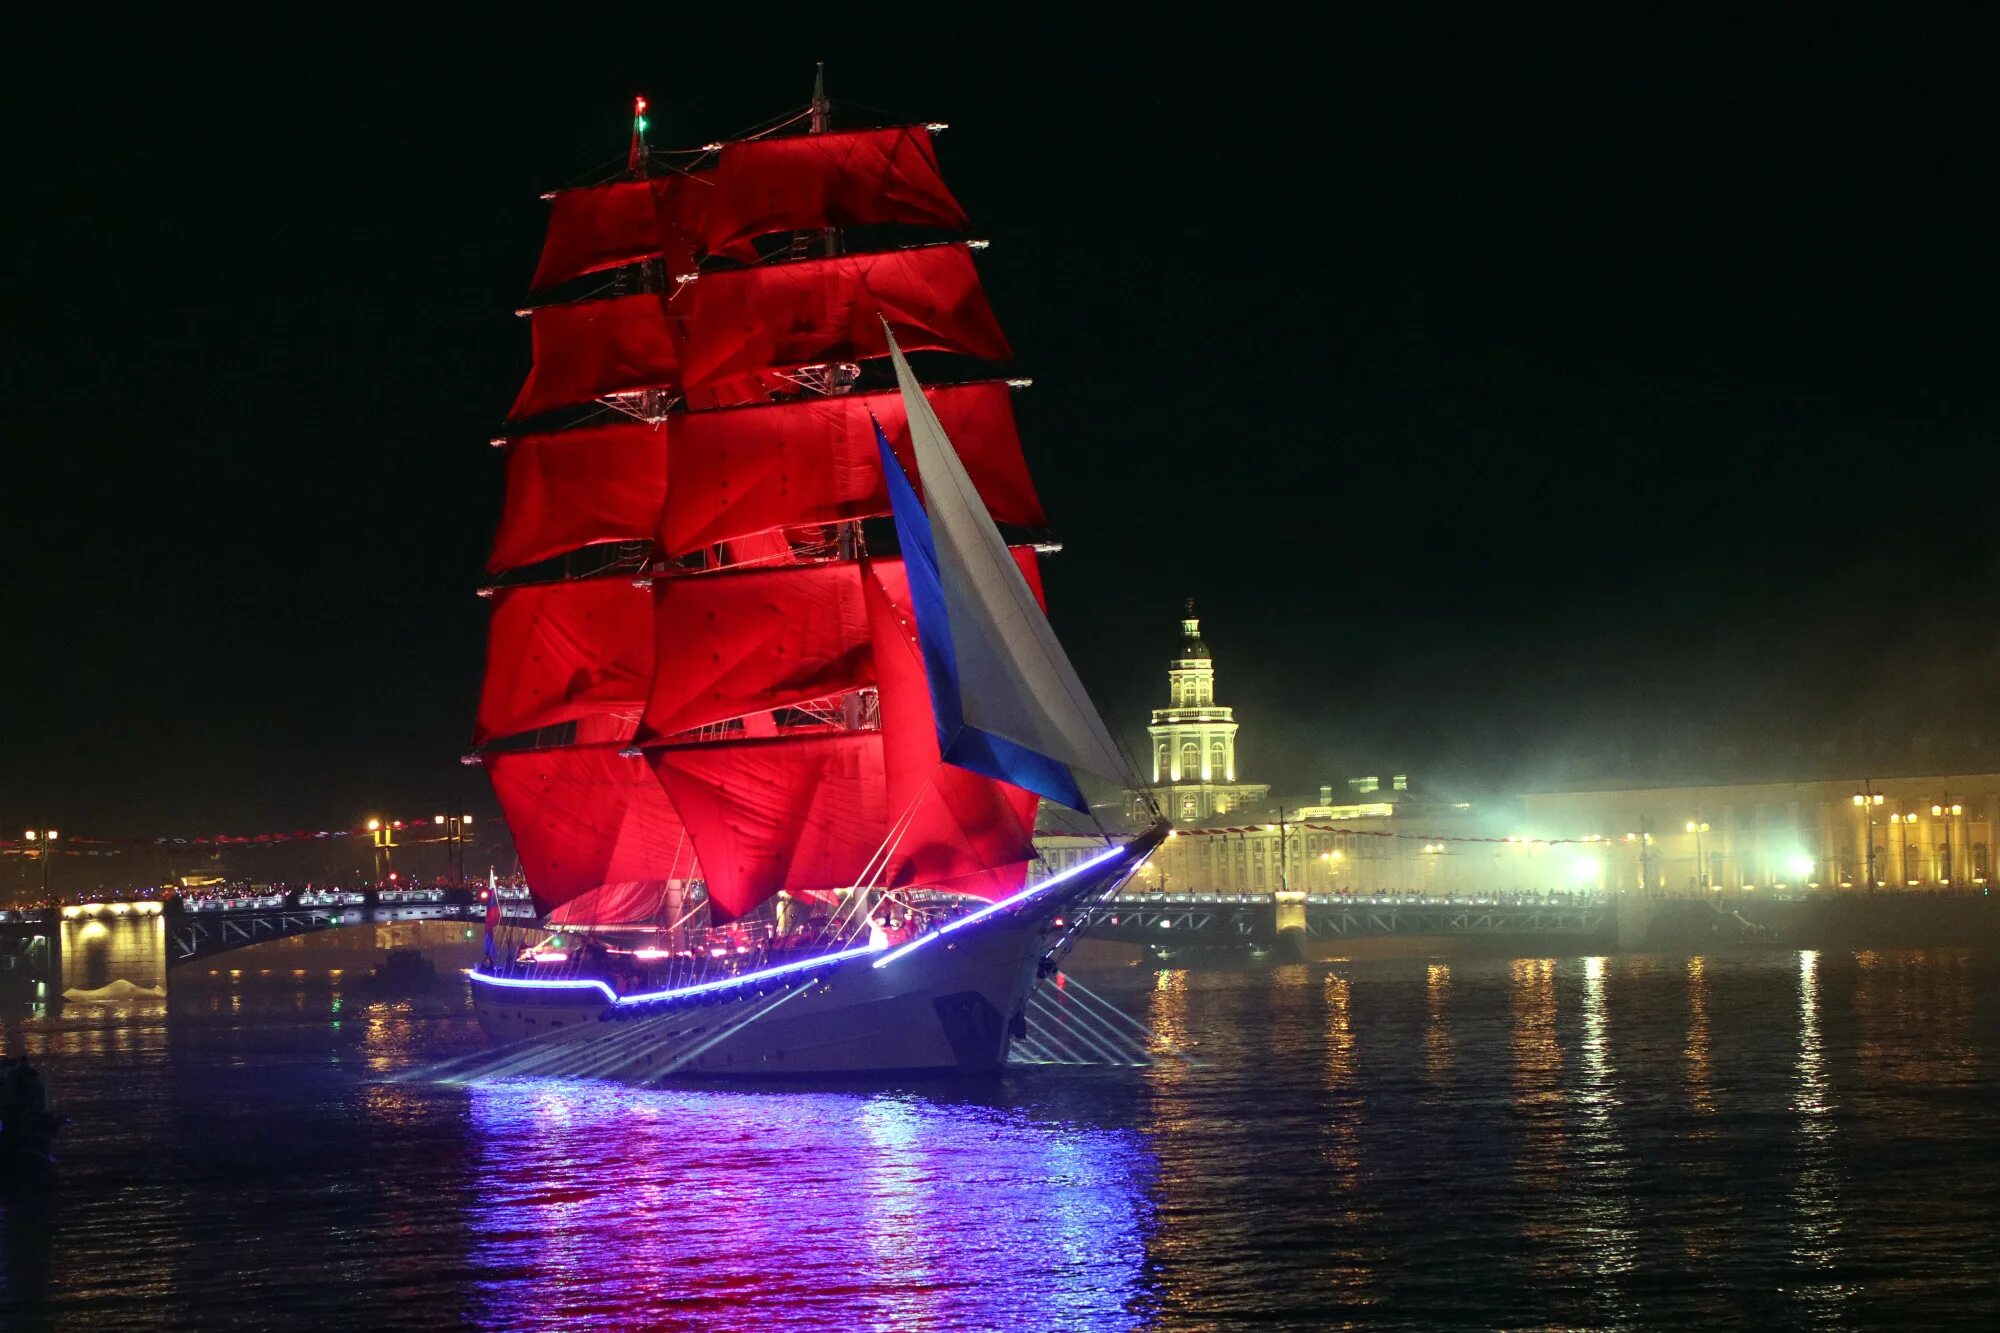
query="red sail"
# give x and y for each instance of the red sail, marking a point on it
(798, 813)
(587, 817)
(844, 179)
(639, 902)
(962, 827)
(740, 642)
(565, 651)
(587, 349)
(622, 223)
(748, 641)
(598, 484)
(779, 316)
(814, 460)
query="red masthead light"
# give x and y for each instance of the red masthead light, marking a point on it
(639, 106)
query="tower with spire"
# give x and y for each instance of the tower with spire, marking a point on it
(1194, 738)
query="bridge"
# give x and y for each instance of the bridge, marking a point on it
(143, 934)
(198, 928)
(1212, 920)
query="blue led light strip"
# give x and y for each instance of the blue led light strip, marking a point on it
(804, 964)
(535, 983)
(1000, 906)
(704, 988)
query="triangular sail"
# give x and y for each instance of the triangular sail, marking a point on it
(1001, 678)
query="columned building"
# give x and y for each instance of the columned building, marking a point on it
(1369, 835)
(1194, 738)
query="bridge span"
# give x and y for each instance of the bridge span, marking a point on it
(1247, 919)
(46, 949)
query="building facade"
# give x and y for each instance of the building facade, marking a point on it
(1927, 832)
(1360, 836)
(1370, 836)
(1193, 739)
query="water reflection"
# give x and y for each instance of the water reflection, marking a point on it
(608, 1205)
(1700, 1094)
(1437, 1030)
(1385, 1144)
(1606, 1221)
(1815, 1197)
(1537, 1072)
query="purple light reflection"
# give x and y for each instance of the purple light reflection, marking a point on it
(606, 1205)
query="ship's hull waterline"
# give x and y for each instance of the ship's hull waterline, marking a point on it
(950, 1004)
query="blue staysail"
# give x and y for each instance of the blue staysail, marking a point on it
(958, 742)
(1009, 705)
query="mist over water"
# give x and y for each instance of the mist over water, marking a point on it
(1661, 1142)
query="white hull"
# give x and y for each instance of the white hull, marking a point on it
(952, 1004)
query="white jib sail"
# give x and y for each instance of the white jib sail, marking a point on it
(1015, 680)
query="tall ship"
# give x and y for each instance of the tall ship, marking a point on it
(771, 698)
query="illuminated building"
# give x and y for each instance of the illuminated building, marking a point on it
(1194, 738)
(1935, 832)
(1925, 832)
(1232, 837)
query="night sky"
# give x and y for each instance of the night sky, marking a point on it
(1521, 396)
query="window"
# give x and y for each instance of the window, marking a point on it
(1216, 767)
(1190, 762)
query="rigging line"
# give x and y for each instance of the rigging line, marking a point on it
(614, 165)
(667, 884)
(1139, 784)
(890, 842)
(771, 126)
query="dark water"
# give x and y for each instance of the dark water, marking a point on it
(1784, 1139)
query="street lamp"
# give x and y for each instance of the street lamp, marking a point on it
(454, 827)
(1700, 863)
(45, 836)
(1865, 801)
(383, 836)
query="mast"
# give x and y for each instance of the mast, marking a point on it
(638, 159)
(650, 404)
(837, 378)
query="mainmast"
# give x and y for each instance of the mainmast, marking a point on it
(835, 376)
(857, 706)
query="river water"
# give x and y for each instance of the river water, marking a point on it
(1771, 1139)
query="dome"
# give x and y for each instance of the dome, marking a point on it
(1190, 645)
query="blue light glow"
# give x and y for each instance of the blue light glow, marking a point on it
(701, 988)
(958, 1210)
(804, 964)
(1000, 906)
